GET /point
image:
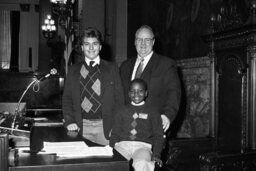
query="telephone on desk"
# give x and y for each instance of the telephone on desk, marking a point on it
(24, 122)
(19, 126)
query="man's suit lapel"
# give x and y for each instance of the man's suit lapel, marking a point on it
(130, 68)
(146, 74)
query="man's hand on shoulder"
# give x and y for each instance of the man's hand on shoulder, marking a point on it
(166, 122)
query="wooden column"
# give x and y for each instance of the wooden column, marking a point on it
(252, 96)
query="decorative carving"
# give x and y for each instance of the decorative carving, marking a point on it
(232, 47)
(228, 18)
(251, 55)
(251, 52)
(235, 61)
(196, 74)
(252, 18)
(218, 162)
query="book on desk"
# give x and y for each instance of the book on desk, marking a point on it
(76, 149)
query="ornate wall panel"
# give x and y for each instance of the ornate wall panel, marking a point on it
(233, 54)
(196, 80)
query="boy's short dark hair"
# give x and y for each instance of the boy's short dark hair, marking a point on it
(140, 81)
(91, 32)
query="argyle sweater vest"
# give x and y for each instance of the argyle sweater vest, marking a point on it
(90, 92)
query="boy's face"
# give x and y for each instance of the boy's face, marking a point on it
(137, 93)
(91, 47)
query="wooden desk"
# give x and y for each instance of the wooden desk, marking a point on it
(49, 162)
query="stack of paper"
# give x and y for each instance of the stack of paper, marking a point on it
(76, 149)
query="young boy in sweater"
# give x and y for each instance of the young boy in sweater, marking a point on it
(138, 133)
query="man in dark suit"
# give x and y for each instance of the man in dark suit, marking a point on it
(92, 91)
(158, 71)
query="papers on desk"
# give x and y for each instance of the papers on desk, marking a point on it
(76, 149)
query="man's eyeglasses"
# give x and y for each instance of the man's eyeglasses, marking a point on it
(146, 40)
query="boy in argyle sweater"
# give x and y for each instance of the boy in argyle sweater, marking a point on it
(92, 92)
(138, 133)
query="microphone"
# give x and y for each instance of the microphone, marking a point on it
(53, 71)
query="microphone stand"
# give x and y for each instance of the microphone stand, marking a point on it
(52, 72)
(18, 104)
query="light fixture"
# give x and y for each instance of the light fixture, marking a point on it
(63, 9)
(49, 28)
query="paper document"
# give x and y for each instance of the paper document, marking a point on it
(76, 149)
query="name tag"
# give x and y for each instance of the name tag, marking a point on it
(143, 116)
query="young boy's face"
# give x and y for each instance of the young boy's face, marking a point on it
(91, 47)
(137, 93)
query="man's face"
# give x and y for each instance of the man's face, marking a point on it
(144, 42)
(91, 47)
(137, 93)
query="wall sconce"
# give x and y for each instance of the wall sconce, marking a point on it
(63, 9)
(49, 28)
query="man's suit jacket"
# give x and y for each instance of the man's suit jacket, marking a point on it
(111, 95)
(163, 83)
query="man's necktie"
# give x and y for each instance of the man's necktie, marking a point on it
(139, 69)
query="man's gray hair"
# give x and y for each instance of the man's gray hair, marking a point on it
(145, 27)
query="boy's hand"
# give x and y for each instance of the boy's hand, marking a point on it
(73, 127)
(158, 161)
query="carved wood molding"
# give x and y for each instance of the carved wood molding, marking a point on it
(234, 60)
(4, 150)
(223, 162)
(251, 50)
(251, 55)
(194, 62)
(197, 80)
(232, 38)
